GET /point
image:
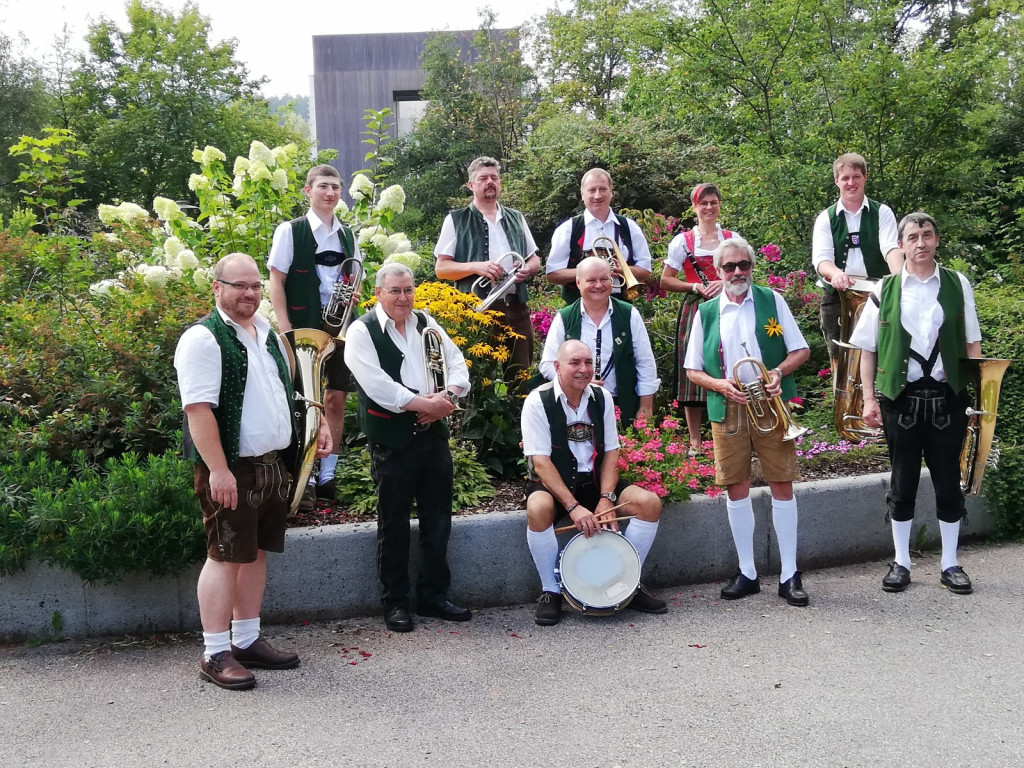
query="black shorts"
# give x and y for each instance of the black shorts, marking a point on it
(588, 493)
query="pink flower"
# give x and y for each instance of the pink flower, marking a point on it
(824, 373)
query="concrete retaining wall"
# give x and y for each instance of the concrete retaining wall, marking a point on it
(329, 572)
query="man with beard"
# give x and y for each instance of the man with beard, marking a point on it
(236, 392)
(748, 320)
(473, 240)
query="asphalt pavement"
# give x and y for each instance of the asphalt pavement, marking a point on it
(859, 678)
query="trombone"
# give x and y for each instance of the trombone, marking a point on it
(626, 283)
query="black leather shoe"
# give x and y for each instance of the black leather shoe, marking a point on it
(645, 602)
(446, 610)
(397, 619)
(740, 586)
(549, 609)
(897, 579)
(792, 591)
(955, 580)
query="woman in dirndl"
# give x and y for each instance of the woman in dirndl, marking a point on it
(689, 270)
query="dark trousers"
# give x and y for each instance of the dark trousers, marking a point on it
(929, 421)
(421, 471)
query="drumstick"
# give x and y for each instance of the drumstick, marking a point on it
(602, 522)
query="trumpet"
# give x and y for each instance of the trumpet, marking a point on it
(765, 413)
(496, 291)
(341, 305)
(627, 283)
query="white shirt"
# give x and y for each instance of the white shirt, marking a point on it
(497, 242)
(594, 228)
(537, 431)
(364, 363)
(921, 316)
(647, 381)
(823, 249)
(737, 326)
(282, 251)
(677, 247)
(266, 407)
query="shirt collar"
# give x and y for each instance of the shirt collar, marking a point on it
(560, 394)
(315, 223)
(724, 301)
(261, 324)
(497, 215)
(383, 319)
(905, 275)
(589, 217)
(841, 207)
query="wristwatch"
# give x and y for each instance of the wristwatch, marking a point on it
(610, 496)
(695, 289)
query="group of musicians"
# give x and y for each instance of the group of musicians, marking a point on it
(738, 342)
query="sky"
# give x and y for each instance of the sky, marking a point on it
(274, 39)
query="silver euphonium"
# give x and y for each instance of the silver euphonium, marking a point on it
(497, 291)
(308, 350)
(344, 295)
(435, 367)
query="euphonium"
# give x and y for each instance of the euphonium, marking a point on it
(308, 350)
(606, 248)
(847, 387)
(341, 305)
(497, 291)
(765, 413)
(978, 451)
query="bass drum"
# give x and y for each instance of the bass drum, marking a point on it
(599, 575)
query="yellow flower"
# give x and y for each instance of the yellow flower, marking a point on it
(773, 328)
(501, 354)
(480, 349)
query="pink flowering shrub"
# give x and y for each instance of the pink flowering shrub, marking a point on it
(653, 456)
(541, 320)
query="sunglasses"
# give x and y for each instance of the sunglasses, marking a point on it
(742, 266)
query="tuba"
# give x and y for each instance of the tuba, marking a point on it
(765, 413)
(627, 282)
(308, 350)
(497, 291)
(341, 305)
(848, 388)
(986, 376)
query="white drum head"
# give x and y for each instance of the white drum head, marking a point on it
(601, 573)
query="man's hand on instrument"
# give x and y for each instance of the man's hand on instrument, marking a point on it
(436, 407)
(604, 511)
(490, 269)
(585, 520)
(871, 413)
(840, 280)
(710, 290)
(774, 384)
(224, 488)
(731, 392)
(324, 441)
(524, 274)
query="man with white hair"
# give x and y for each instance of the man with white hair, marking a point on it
(748, 320)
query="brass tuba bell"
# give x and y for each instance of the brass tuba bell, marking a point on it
(847, 387)
(978, 450)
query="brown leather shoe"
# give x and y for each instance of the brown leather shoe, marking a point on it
(263, 656)
(222, 669)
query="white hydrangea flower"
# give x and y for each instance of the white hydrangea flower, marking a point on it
(173, 246)
(285, 153)
(266, 311)
(379, 240)
(280, 180)
(411, 259)
(397, 243)
(368, 232)
(158, 253)
(187, 260)
(393, 198)
(236, 185)
(110, 237)
(259, 152)
(153, 275)
(341, 208)
(259, 171)
(997, 277)
(241, 165)
(361, 187)
(130, 212)
(241, 228)
(211, 153)
(203, 278)
(197, 155)
(215, 223)
(166, 209)
(106, 287)
(198, 181)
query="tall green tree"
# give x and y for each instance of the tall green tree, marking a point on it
(24, 110)
(144, 97)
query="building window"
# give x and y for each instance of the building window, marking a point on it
(409, 108)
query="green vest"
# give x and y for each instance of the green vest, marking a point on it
(561, 456)
(894, 340)
(773, 348)
(571, 291)
(234, 370)
(379, 424)
(874, 259)
(302, 283)
(472, 241)
(625, 358)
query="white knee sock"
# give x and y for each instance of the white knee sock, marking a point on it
(327, 467)
(741, 521)
(244, 632)
(784, 520)
(901, 541)
(950, 538)
(544, 548)
(640, 533)
(215, 642)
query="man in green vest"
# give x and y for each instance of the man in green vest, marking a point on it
(750, 321)
(236, 392)
(617, 337)
(854, 237)
(306, 259)
(914, 336)
(570, 439)
(473, 241)
(403, 404)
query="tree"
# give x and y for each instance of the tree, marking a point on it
(145, 97)
(24, 110)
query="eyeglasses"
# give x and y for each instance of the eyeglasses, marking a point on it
(243, 287)
(742, 266)
(399, 291)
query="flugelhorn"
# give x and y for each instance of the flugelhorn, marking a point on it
(308, 350)
(344, 294)
(978, 450)
(765, 413)
(848, 388)
(606, 248)
(497, 291)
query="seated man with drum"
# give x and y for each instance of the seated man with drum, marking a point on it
(744, 347)
(570, 438)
